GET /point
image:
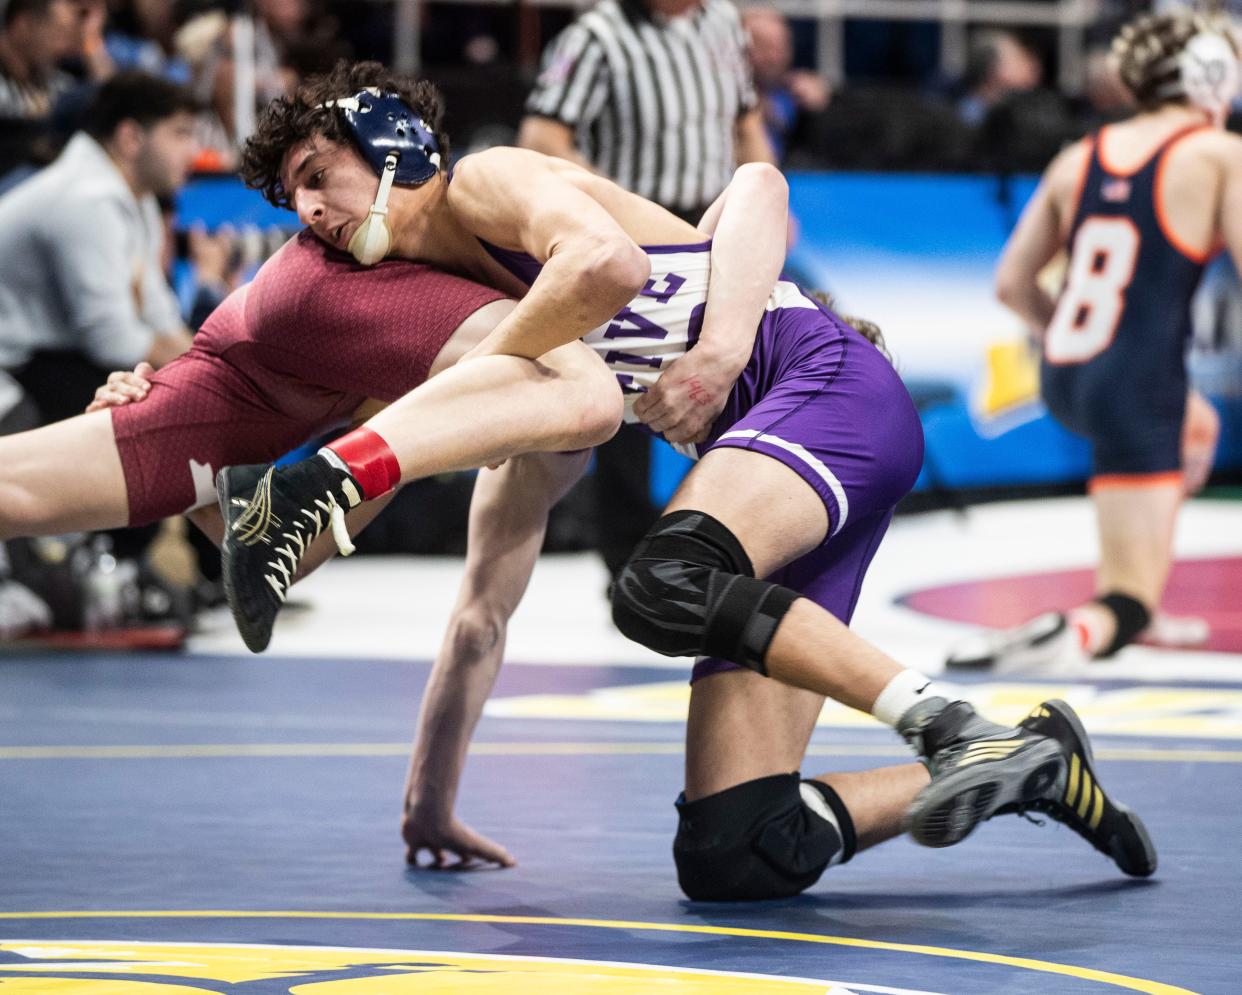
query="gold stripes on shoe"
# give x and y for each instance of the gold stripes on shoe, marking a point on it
(991, 749)
(1082, 793)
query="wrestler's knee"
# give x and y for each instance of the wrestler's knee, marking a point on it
(768, 838)
(689, 589)
(592, 403)
(599, 415)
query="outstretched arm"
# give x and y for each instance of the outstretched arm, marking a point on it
(508, 517)
(591, 267)
(747, 223)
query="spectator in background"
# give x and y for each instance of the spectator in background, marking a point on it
(205, 43)
(37, 35)
(999, 65)
(82, 291)
(291, 38)
(1106, 98)
(1019, 123)
(140, 36)
(657, 95)
(787, 96)
(88, 55)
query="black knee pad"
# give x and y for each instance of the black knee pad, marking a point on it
(1131, 615)
(689, 589)
(768, 838)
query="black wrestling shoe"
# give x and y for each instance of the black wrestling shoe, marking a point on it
(978, 768)
(1081, 803)
(271, 516)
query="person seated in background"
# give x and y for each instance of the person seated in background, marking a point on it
(82, 288)
(290, 39)
(1019, 122)
(37, 34)
(1105, 97)
(787, 96)
(999, 65)
(140, 34)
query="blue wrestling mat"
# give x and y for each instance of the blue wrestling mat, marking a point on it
(231, 825)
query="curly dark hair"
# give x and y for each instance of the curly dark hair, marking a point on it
(289, 120)
(1146, 49)
(869, 330)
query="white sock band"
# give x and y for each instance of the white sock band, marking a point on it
(901, 694)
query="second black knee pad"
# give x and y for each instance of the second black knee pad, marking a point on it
(768, 838)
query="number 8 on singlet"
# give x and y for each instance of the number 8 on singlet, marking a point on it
(1101, 267)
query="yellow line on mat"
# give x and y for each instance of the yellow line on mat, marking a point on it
(574, 749)
(1022, 963)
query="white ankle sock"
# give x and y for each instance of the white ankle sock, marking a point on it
(901, 694)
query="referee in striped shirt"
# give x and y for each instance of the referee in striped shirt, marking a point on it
(657, 95)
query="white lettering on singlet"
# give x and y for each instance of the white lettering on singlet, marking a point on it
(665, 319)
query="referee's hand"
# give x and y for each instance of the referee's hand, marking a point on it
(689, 396)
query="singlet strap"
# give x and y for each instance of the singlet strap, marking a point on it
(1200, 256)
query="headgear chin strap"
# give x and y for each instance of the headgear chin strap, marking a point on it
(1208, 73)
(399, 147)
(371, 242)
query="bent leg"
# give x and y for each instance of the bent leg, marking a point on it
(777, 517)
(64, 477)
(749, 829)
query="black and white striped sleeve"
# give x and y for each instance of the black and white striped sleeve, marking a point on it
(747, 98)
(573, 82)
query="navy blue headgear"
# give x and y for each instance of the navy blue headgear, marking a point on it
(382, 123)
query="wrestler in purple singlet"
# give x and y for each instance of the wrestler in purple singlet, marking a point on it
(815, 396)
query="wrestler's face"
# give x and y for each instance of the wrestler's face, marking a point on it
(331, 188)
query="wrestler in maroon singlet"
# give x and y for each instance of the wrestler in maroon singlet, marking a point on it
(282, 360)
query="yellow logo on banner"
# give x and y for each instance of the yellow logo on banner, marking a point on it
(1010, 380)
(113, 968)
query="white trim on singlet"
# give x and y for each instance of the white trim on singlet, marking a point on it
(807, 457)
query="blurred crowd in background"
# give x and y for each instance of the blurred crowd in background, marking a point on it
(892, 108)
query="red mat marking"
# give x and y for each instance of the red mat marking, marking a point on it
(1210, 589)
(141, 637)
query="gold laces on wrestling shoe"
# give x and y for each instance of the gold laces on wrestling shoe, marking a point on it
(256, 517)
(258, 523)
